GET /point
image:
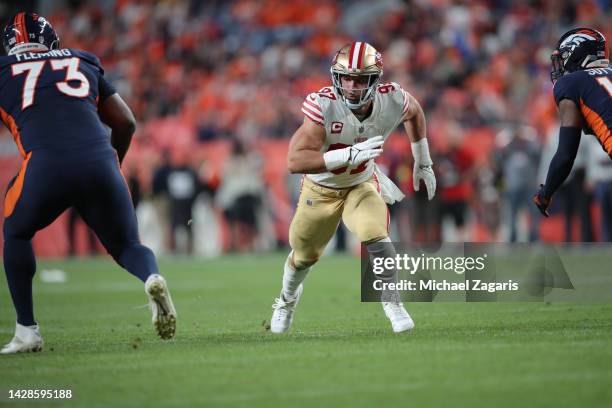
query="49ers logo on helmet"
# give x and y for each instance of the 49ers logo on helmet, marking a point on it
(378, 59)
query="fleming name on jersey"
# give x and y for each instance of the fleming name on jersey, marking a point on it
(28, 56)
(343, 129)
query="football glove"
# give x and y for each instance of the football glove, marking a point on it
(354, 155)
(541, 201)
(422, 168)
(425, 173)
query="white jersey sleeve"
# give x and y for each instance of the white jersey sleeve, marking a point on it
(399, 96)
(311, 108)
(318, 105)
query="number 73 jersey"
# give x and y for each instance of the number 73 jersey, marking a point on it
(343, 129)
(49, 100)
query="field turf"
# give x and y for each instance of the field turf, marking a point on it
(100, 344)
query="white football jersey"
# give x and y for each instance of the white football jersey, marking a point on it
(343, 129)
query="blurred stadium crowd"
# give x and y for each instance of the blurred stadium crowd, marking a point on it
(217, 87)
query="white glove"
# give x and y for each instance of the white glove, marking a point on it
(422, 168)
(354, 155)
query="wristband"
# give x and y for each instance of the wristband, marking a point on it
(420, 152)
(335, 158)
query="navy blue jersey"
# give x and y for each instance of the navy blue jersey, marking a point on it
(591, 91)
(49, 100)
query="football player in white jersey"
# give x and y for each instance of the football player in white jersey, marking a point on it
(344, 130)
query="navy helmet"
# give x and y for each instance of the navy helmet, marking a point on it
(579, 49)
(29, 32)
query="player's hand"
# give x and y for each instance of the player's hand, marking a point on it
(541, 201)
(364, 151)
(425, 173)
(354, 155)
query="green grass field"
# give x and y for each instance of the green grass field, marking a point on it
(101, 345)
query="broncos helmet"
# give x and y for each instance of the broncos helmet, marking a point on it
(577, 49)
(29, 32)
(357, 59)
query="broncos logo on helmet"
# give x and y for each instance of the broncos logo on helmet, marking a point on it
(29, 32)
(577, 49)
(575, 40)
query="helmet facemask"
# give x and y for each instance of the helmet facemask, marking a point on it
(365, 94)
(557, 69)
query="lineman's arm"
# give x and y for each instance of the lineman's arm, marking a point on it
(305, 154)
(563, 160)
(115, 113)
(414, 120)
(416, 129)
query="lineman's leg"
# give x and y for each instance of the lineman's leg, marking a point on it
(314, 223)
(34, 199)
(107, 208)
(365, 215)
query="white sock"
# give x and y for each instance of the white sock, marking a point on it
(292, 278)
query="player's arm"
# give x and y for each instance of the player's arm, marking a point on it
(415, 126)
(305, 149)
(414, 120)
(305, 154)
(115, 113)
(563, 160)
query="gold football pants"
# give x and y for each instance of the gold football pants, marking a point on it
(318, 214)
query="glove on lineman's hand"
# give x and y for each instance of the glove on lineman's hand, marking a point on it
(425, 173)
(354, 155)
(541, 202)
(422, 167)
